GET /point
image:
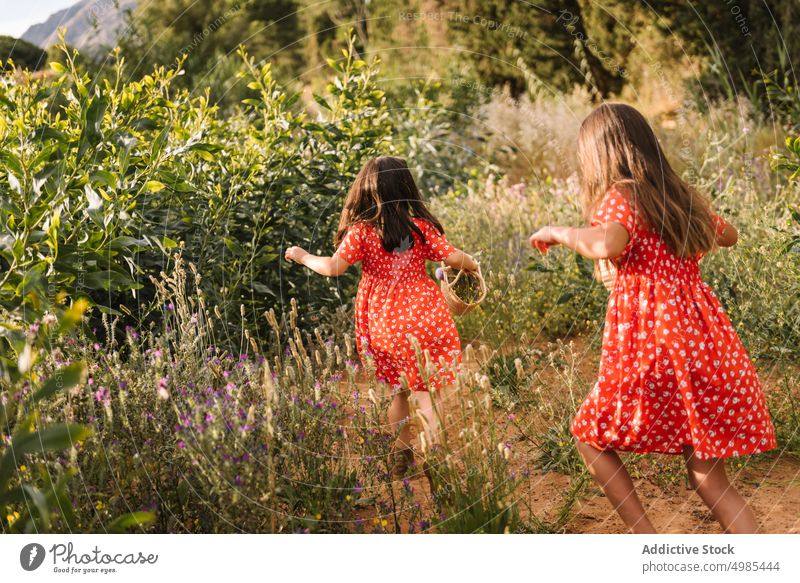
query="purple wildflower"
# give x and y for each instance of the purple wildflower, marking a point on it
(102, 395)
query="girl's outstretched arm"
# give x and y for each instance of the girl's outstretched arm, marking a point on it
(606, 241)
(327, 266)
(460, 260)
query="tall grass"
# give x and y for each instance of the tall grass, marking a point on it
(287, 434)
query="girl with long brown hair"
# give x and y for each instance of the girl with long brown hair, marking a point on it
(674, 377)
(388, 228)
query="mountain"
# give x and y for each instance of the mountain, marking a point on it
(88, 23)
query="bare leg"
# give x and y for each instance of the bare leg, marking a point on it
(709, 479)
(610, 474)
(399, 419)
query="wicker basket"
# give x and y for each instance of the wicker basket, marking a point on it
(458, 306)
(607, 273)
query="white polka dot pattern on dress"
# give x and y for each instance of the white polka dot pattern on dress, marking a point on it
(673, 371)
(397, 300)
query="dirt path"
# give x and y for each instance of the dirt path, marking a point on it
(771, 485)
(770, 482)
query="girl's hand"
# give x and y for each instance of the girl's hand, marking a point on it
(295, 254)
(543, 239)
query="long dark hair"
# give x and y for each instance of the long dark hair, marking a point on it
(385, 196)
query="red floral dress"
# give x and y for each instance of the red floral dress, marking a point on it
(673, 372)
(398, 300)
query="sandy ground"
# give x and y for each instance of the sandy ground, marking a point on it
(772, 487)
(770, 482)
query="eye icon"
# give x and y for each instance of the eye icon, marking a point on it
(31, 556)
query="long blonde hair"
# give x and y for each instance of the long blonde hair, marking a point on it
(617, 147)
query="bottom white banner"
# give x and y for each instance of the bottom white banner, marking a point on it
(350, 558)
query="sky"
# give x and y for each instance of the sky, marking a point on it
(17, 15)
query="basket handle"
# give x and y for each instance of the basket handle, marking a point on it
(481, 281)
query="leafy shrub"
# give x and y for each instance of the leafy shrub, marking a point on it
(104, 177)
(437, 137)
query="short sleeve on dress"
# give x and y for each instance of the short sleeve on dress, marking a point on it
(351, 249)
(437, 248)
(615, 208)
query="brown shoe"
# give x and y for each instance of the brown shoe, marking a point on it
(402, 458)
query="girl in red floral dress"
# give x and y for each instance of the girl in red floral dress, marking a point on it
(386, 226)
(674, 377)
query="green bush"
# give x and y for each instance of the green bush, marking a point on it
(102, 178)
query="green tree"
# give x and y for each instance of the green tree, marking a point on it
(739, 40)
(23, 53)
(552, 39)
(207, 32)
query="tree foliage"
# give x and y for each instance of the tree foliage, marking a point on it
(206, 33)
(741, 40)
(572, 42)
(556, 41)
(22, 53)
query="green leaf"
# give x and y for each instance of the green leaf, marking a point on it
(14, 184)
(14, 164)
(128, 521)
(57, 67)
(63, 379)
(110, 280)
(158, 143)
(109, 310)
(40, 503)
(54, 438)
(105, 177)
(207, 156)
(233, 245)
(94, 119)
(125, 242)
(321, 101)
(154, 186)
